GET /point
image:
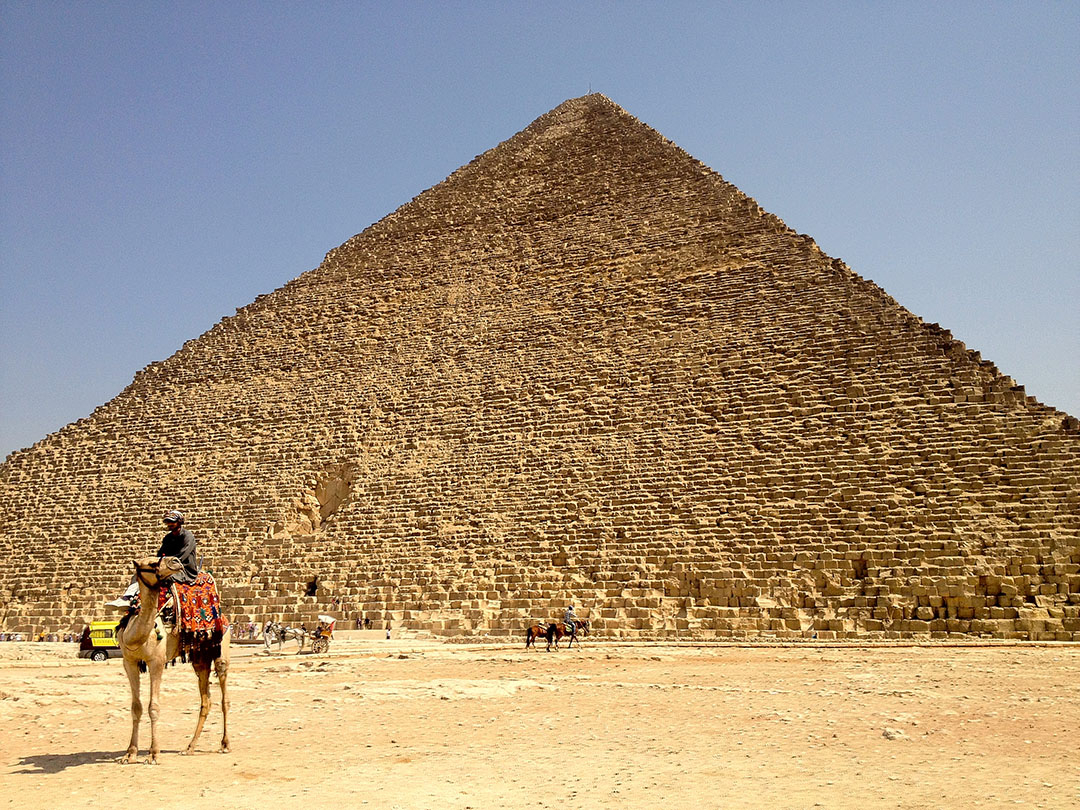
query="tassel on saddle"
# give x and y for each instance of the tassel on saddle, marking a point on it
(170, 611)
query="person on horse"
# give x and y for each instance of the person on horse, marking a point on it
(570, 620)
(178, 542)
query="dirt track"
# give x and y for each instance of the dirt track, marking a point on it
(401, 724)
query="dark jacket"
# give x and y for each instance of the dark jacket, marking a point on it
(181, 546)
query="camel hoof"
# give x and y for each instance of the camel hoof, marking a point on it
(151, 760)
(187, 752)
(127, 759)
(223, 750)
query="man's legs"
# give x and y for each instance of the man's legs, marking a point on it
(123, 602)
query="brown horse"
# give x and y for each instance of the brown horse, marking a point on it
(554, 632)
(535, 631)
(558, 630)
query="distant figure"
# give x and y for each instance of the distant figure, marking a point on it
(569, 619)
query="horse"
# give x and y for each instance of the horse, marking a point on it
(281, 633)
(554, 632)
(535, 631)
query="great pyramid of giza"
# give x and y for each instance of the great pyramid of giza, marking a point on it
(583, 369)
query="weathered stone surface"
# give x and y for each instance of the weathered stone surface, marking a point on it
(583, 369)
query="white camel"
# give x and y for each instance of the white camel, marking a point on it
(145, 640)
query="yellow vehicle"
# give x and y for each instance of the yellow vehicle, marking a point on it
(98, 641)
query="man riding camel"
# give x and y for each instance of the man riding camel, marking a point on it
(179, 543)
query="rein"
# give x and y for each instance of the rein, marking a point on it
(146, 569)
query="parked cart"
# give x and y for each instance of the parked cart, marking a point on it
(324, 633)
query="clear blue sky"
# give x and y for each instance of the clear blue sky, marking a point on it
(162, 164)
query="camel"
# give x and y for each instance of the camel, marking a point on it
(146, 642)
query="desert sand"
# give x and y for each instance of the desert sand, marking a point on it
(421, 724)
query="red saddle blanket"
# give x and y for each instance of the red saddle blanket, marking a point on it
(199, 611)
(200, 621)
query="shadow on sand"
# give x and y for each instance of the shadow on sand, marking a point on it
(55, 763)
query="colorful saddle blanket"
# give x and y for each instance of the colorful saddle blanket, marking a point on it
(199, 619)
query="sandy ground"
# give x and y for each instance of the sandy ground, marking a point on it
(399, 724)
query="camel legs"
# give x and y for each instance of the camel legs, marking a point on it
(202, 670)
(132, 670)
(221, 666)
(157, 669)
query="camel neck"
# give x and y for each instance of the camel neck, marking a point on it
(142, 623)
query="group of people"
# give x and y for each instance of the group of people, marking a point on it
(43, 636)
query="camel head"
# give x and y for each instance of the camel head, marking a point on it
(151, 570)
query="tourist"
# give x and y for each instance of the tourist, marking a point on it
(178, 542)
(570, 619)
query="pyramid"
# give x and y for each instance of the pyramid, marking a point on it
(582, 369)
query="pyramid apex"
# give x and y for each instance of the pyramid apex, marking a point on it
(589, 99)
(580, 105)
